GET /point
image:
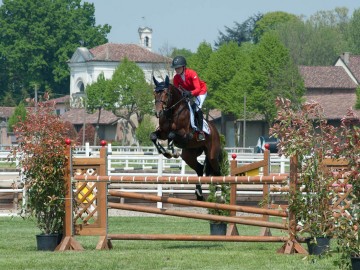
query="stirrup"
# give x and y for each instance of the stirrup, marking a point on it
(201, 136)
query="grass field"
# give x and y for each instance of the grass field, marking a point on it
(18, 249)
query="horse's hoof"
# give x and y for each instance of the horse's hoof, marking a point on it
(153, 136)
(199, 195)
(199, 198)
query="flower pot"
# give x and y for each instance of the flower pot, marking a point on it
(321, 246)
(218, 228)
(47, 241)
(355, 263)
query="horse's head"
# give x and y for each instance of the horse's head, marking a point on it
(162, 96)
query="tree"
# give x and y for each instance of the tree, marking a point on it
(98, 97)
(222, 66)
(199, 60)
(143, 131)
(269, 21)
(272, 74)
(354, 32)
(317, 41)
(131, 95)
(240, 33)
(38, 37)
(184, 52)
(19, 115)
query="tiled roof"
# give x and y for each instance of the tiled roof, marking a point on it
(354, 66)
(117, 52)
(334, 77)
(63, 99)
(6, 112)
(336, 104)
(76, 117)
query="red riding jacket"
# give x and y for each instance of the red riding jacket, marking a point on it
(192, 82)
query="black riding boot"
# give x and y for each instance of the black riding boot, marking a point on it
(200, 119)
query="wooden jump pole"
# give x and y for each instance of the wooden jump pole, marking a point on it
(185, 237)
(170, 212)
(236, 208)
(184, 179)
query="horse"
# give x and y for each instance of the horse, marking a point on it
(173, 112)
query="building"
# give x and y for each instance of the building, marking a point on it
(333, 87)
(87, 64)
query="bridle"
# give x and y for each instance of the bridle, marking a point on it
(165, 109)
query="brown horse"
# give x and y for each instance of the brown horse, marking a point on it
(173, 112)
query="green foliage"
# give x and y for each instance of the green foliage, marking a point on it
(40, 152)
(354, 32)
(19, 115)
(269, 20)
(143, 131)
(38, 38)
(222, 66)
(318, 40)
(220, 193)
(184, 52)
(98, 94)
(241, 33)
(272, 75)
(357, 104)
(307, 135)
(131, 94)
(199, 60)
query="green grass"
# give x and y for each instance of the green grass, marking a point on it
(18, 249)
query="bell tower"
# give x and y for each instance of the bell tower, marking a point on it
(145, 34)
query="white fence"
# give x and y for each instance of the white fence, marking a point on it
(141, 161)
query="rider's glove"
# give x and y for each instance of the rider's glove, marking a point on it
(186, 94)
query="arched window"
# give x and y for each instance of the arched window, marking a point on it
(147, 41)
(80, 86)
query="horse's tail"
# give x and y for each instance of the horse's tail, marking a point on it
(223, 161)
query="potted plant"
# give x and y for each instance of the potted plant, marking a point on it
(40, 151)
(220, 194)
(306, 134)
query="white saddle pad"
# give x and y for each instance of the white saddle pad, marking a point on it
(206, 128)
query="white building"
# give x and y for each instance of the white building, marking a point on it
(87, 64)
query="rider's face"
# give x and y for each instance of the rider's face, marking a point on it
(179, 70)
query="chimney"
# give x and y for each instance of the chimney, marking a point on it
(345, 57)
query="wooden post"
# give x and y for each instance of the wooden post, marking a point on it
(232, 229)
(68, 242)
(266, 187)
(292, 245)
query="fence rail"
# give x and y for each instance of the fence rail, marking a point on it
(139, 161)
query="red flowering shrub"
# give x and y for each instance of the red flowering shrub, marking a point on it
(41, 154)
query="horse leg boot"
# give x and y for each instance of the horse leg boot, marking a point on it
(198, 193)
(200, 120)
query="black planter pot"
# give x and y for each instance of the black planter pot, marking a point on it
(218, 228)
(321, 246)
(355, 263)
(47, 241)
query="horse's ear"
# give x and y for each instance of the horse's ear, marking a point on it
(167, 81)
(155, 81)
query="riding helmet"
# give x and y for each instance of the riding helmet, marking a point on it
(178, 61)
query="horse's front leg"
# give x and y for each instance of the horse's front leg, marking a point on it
(154, 136)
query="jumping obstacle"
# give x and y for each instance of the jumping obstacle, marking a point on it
(86, 205)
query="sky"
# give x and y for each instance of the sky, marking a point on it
(187, 23)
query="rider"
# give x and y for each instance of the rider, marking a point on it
(188, 80)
